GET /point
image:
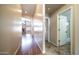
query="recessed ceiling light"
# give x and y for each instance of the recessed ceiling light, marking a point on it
(48, 8)
(25, 11)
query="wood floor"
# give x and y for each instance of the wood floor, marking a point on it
(29, 46)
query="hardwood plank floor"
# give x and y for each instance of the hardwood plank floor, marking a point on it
(28, 46)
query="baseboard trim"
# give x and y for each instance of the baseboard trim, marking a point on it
(53, 44)
(38, 45)
(17, 49)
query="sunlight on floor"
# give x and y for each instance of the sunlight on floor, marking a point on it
(26, 41)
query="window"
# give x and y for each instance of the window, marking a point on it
(37, 25)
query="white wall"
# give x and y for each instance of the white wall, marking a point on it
(53, 29)
(38, 35)
(10, 29)
(76, 28)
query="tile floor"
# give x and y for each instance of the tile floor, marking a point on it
(50, 49)
(53, 50)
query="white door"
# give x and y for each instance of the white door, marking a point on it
(64, 27)
(63, 30)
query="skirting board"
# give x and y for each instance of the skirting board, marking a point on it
(53, 44)
(17, 48)
(38, 45)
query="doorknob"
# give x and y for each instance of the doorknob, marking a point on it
(58, 29)
(59, 41)
(66, 32)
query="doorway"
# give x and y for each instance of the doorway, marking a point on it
(47, 29)
(64, 27)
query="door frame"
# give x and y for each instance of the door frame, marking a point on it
(71, 27)
(48, 28)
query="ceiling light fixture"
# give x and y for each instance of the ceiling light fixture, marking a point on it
(25, 11)
(48, 8)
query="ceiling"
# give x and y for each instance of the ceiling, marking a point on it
(51, 8)
(39, 12)
(28, 9)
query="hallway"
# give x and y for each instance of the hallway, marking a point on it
(26, 30)
(58, 29)
(29, 46)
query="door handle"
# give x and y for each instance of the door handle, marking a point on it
(66, 32)
(58, 29)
